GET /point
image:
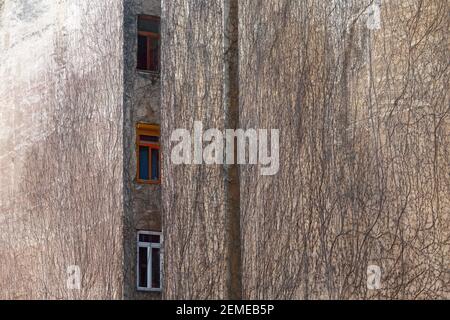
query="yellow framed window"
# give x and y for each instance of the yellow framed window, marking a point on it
(148, 154)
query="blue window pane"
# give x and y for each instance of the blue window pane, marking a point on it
(144, 163)
(155, 164)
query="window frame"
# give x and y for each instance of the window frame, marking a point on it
(152, 130)
(149, 246)
(149, 36)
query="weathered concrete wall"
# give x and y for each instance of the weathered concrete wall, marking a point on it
(364, 150)
(61, 159)
(194, 209)
(141, 104)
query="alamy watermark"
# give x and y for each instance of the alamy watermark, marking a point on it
(373, 277)
(373, 13)
(73, 278)
(214, 146)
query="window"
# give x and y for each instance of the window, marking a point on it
(149, 261)
(148, 43)
(148, 155)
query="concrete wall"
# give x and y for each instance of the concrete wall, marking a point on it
(363, 119)
(141, 104)
(61, 159)
(194, 208)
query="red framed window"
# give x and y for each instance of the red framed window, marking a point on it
(148, 154)
(148, 48)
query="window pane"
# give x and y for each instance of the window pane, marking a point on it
(150, 238)
(144, 163)
(156, 270)
(154, 54)
(155, 164)
(148, 24)
(142, 53)
(142, 265)
(150, 138)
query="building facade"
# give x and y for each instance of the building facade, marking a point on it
(92, 207)
(80, 114)
(359, 208)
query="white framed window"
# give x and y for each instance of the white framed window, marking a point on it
(149, 262)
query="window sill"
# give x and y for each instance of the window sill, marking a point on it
(148, 182)
(148, 72)
(149, 290)
(153, 76)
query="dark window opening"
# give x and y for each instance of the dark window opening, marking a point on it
(156, 269)
(149, 238)
(142, 53)
(149, 138)
(142, 265)
(148, 49)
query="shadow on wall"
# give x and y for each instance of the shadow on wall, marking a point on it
(67, 211)
(64, 218)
